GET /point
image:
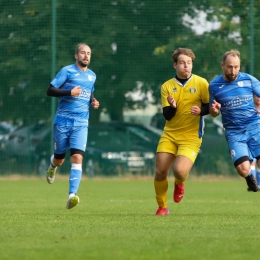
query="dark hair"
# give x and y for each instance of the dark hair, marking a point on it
(78, 47)
(233, 53)
(179, 51)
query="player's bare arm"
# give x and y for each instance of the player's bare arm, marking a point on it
(195, 110)
(94, 102)
(200, 111)
(172, 101)
(170, 111)
(215, 108)
(76, 91)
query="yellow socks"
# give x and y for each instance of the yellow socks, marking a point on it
(177, 181)
(161, 188)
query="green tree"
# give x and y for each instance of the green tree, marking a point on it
(122, 35)
(233, 33)
(25, 59)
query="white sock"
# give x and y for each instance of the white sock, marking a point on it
(71, 195)
(52, 164)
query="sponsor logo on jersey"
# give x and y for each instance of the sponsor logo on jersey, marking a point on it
(85, 94)
(77, 74)
(221, 86)
(237, 102)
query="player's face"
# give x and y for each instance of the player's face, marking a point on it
(183, 66)
(231, 67)
(83, 56)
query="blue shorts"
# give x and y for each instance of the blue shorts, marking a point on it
(246, 143)
(65, 137)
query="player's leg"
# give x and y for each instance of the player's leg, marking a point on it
(78, 140)
(187, 153)
(60, 141)
(242, 158)
(258, 171)
(243, 168)
(253, 170)
(164, 160)
(163, 164)
(254, 147)
(181, 168)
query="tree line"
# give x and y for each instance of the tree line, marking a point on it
(132, 42)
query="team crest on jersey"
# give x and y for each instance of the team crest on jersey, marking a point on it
(90, 78)
(240, 84)
(174, 90)
(192, 90)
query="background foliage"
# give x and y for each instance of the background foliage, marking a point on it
(131, 40)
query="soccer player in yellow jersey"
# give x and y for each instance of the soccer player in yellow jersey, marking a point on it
(185, 100)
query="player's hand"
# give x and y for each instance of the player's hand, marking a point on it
(195, 110)
(76, 91)
(95, 103)
(172, 101)
(215, 107)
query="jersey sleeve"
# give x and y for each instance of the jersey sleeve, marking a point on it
(205, 92)
(60, 78)
(164, 95)
(211, 96)
(256, 86)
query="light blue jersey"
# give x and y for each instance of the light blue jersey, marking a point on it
(239, 116)
(74, 111)
(236, 99)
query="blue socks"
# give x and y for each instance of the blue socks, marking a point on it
(75, 177)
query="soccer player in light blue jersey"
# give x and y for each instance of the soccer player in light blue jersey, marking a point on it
(232, 95)
(255, 165)
(74, 85)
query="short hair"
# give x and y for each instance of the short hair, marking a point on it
(78, 47)
(233, 53)
(185, 51)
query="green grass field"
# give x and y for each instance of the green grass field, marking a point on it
(115, 220)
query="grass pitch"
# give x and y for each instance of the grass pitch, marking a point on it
(115, 220)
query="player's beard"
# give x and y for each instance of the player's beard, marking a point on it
(230, 77)
(83, 64)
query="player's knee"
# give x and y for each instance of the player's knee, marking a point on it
(58, 162)
(160, 174)
(76, 158)
(182, 177)
(242, 165)
(243, 168)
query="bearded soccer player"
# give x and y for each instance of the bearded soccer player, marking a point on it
(74, 85)
(185, 100)
(232, 95)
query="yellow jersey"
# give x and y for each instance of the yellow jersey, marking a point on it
(193, 93)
